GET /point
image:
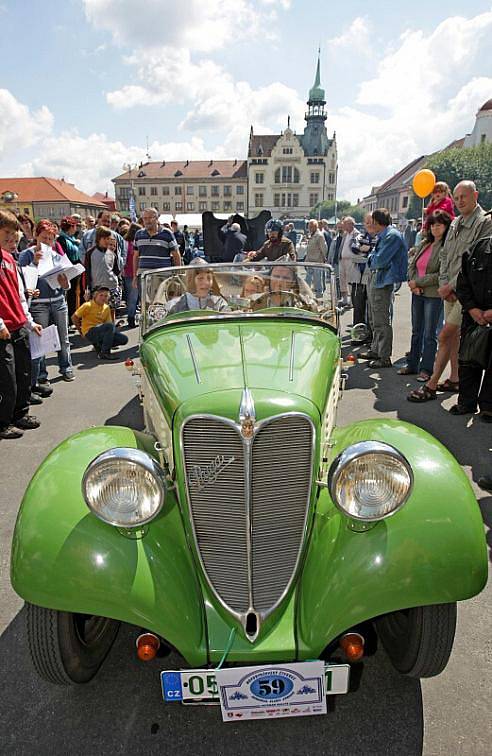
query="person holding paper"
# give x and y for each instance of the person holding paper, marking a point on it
(93, 320)
(15, 357)
(50, 306)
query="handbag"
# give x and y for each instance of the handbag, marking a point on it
(474, 346)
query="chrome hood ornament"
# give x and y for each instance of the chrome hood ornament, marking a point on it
(247, 414)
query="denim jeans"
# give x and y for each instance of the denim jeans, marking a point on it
(47, 313)
(131, 295)
(427, 315)
(105, 336)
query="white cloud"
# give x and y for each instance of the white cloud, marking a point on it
(19, 126)
(356, 37)
(197, 24)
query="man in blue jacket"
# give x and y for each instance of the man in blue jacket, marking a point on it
(388, 265)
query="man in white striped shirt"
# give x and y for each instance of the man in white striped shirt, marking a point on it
(153, 248)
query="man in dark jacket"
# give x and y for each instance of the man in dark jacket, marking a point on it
(234, 241)
(474, 291)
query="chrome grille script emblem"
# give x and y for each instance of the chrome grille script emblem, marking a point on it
(203, 475)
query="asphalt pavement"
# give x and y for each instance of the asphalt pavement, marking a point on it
(121, 711)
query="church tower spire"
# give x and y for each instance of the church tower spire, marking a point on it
(315, 139)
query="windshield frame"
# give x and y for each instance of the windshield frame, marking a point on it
(291, 313)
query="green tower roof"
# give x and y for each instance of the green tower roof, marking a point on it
(316, 93)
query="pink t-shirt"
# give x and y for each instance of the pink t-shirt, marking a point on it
(423, 260)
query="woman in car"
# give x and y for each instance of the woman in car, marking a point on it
(202, 290)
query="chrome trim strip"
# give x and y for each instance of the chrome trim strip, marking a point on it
(242, 616)
(300, 315)
(193, 358)
(247, 407)
(292, 353)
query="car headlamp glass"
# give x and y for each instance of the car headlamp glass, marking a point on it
(370, 480)
(124, 487)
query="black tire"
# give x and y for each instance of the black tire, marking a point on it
(67, 648)
(419, 641)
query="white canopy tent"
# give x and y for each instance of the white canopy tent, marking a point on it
(192, 220)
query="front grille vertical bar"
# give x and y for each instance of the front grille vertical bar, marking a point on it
(248, 467)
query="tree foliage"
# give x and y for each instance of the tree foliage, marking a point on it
(452, 166)
(343, 207)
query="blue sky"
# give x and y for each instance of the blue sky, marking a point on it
(85, 82)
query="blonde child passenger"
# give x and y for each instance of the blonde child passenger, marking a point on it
(441, 199)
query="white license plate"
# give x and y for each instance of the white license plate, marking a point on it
(269, 693)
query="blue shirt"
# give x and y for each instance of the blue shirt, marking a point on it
(389, 259)
(154, 251)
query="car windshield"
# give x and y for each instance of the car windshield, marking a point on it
(212, 290)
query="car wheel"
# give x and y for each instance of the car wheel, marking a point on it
(68, 648)
(419, 640)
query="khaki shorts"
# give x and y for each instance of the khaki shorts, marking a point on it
(453, 313)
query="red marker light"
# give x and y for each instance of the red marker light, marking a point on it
(147, 646)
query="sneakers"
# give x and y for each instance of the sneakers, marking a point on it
(28, 422)
(369, 355)
(35, 399)
(68, 375)
(10, 431)
(108, 356)
(42, 389)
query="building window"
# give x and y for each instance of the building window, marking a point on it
(227, 205)
(331, 178)
(165, 190)
(215, 191)
(141, 191)
(287, 150)
(215, 206)
(295, 200)
(153, 191)
(155, 205)
(259, 178)
(179, 205)
(259, 200)
(329, 196)
(240, 207)
(276, 200)
(202, 191)
(287, 175)
(227, 191)
(177, 190)
(404, 203)
(141, 205)
(190, 190)
(166, 206)
(483, 138)
(313, 199)
(190, 205)
(239, 189)
(314, 177)
(202, 206)
(124, 192)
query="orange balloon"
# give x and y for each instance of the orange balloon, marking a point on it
(423, 182)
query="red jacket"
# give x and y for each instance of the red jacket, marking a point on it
(11, 310)
(446, 204)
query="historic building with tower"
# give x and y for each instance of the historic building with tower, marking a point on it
(290, 173)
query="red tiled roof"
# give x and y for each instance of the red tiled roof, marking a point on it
(102, 197)
(403, 175)
(188, 169)
(42, 189)
(455, 143)
(486, 106)
(261, 145)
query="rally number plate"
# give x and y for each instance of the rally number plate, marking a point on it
(256, 692)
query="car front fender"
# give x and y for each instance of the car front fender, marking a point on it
(65, 558)
(432, 551)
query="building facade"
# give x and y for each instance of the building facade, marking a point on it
(482, 131)
(190, 186)
(42, 197)
(289, 174)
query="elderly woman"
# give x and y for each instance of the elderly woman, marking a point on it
(202, 290)
(317, 251)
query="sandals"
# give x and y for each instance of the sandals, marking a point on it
(424, 394)
(453, 387)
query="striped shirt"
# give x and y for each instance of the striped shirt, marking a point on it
(154, 251)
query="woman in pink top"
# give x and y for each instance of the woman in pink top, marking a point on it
(427, 305)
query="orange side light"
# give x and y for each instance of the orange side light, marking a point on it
(128, 363)
(147, 646)
(352, 645)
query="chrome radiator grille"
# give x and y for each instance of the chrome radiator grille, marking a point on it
(248, 502)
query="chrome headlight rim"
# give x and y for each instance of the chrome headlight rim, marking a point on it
(137, 457)
(357, 451)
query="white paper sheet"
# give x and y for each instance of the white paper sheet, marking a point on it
(46, 262)
(30, 275)
(48, 342)
(69, 271)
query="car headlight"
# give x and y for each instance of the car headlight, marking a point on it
(370, 480)
(124, 487)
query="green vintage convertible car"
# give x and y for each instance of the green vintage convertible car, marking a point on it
(243, 528)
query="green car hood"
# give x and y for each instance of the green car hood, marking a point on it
(187, 361)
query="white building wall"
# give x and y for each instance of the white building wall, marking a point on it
(482, 131)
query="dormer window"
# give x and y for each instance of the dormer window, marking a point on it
(178, 173)
(141, 174)
(215, 172)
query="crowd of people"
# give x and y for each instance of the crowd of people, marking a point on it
(445, 263)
